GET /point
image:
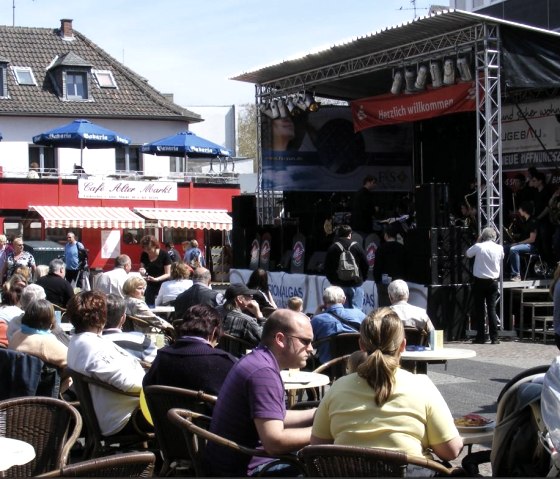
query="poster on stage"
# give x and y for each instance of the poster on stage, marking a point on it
(531, 137)
(319, 151)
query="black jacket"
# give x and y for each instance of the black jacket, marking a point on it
(333, 255)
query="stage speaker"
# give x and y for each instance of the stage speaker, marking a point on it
(244, 211)
(449, 308)
(432, 205)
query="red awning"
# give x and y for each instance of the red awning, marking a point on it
(88, 217)
(179, 218)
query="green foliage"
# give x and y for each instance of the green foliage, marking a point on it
(247, 130)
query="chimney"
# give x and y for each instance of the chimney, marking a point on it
(66, 28)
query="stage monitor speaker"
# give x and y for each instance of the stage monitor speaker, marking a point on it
(432, 205)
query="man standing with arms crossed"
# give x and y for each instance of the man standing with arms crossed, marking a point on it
(488, 257)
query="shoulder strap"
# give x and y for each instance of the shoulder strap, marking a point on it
(343, 321)
(339, 244)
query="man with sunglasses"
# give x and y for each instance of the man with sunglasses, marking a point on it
(251, 407)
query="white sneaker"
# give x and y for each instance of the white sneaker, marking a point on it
(516, 278)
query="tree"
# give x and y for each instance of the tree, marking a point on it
(247, 131)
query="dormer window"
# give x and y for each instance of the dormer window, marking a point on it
(24, 75)
(76, 86)
(105, 79)
(3, 79)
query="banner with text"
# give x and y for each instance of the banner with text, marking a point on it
(92, 188)
(390, 109)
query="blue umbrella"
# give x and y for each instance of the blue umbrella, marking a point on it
(185, 143)
(81, 134)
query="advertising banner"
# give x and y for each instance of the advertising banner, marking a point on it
(531, 137)
(320, 151)
(93, 188)
(391, 109)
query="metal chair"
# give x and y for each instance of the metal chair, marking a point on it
(339, 344)
(170, 439)
(145, 325)
(334, 369)
(131, 464)
(95, 442)
(327, 460)
(195, 428)
(50, 425)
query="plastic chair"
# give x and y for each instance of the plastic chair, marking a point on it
(131, 464)
(170, 439)
(50, 425)
(95, 442)
(195, 428)
(327, 460)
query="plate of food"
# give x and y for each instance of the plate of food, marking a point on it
(473, 423)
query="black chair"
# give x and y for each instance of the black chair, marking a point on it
(236, 346)
(339, 345)
(95, 442)
(170, 439)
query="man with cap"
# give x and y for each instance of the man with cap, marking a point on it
(239, 302)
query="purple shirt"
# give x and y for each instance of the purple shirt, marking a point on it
(252, 389)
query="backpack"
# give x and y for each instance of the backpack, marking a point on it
(347, 269)
(194, 259)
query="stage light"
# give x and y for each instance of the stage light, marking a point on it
(435, 72)
(310, 102)
(409, 80)
(448, 72)
(298, 101)
(282, 108)
(291, 106)
(397, 83)
(269, 111)
(421, 78)
(464, 69)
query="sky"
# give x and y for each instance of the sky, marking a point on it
(192, 48)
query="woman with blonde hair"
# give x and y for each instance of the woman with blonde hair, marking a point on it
(179, 282)
(133, 290)
(382, 405)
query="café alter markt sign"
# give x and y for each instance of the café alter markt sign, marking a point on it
(127, 190)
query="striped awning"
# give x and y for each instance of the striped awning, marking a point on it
(187, 218)
(88, 217)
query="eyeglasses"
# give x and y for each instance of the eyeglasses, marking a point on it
(305, 341)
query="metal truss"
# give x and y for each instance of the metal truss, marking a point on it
(418, 51)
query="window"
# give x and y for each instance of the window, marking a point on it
(49, 159)
(133, 158)
(24, 75)
(105, 79)
(76, 86)
(3, 82)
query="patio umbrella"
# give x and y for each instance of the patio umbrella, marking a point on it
(187, 145)
(81, 134)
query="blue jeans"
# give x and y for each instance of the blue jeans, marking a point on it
(354, 296)
(512, 253)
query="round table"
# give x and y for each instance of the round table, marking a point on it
(15, 453)
(296, 379)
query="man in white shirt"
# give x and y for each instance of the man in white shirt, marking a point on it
(488, 257)
(111, 282)
(410, 315)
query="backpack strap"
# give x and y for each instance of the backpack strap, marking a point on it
(343, 321)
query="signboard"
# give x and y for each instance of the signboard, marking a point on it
(320, 151)
(92, 188)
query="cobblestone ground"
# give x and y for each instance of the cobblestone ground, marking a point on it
(473, 385)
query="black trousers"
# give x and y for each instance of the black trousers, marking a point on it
(485, 295)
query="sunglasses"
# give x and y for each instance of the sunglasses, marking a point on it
(305, 341)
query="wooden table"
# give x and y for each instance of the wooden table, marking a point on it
(15, 453)
(437, 355)
(295, 379)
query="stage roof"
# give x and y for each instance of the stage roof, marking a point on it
(363, 67)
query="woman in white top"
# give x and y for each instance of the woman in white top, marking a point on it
(179, 282)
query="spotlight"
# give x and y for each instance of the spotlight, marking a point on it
(448, 72)
(300, 103)
(274, 108)
(310, 102)
(270, 110)
(397, 83)
(420, 83)
(409, 80)
(291, 106)
(435, 72)
(464, 69)
(282, 108)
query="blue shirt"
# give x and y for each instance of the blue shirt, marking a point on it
(71, 256)
(325, 325)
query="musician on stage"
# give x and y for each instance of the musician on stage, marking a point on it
(526, 241)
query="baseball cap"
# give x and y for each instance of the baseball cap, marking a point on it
(238, 289)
